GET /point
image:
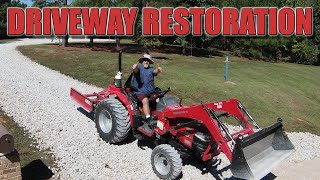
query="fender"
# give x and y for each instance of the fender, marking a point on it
(117, 92)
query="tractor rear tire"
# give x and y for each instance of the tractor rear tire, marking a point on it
(112, 120)
(166, 162)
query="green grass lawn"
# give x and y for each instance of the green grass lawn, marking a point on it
(268, 90)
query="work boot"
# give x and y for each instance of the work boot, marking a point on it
(151, 122)
(146, 128)
(214, 162)
(146, 125)
(149, 119)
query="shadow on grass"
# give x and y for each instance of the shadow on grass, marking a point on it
(161, 58)
(36, 170)
(9, 40)
(6, 42)
(138, 49)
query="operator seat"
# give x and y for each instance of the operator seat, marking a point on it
(131, 86)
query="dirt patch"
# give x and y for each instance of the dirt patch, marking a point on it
(229, 82)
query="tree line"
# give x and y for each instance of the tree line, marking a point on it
(294, 49)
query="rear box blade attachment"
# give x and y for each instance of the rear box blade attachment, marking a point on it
(82, 100)
(254, 156)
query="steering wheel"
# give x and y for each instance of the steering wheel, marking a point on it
(161, 93)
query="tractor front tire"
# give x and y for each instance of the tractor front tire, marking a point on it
(166, 162)
(112, 120)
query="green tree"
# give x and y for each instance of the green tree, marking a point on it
(3, 16)
(305, 52)
(47, 3)
(292, 49)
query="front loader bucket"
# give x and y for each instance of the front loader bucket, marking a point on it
(254, 156)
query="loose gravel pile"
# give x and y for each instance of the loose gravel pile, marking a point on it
(38, 99)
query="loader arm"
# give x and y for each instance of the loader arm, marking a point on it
(197, 113)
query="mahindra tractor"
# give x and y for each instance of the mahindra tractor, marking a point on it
(180, 131)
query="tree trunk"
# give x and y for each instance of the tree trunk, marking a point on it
(91, 41)
(118, 43)
(184, 50)
(65, 41)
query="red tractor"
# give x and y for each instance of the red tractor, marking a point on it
(178, 130)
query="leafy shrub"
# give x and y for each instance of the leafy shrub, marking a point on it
(305, 52)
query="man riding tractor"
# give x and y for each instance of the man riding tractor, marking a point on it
(143, 83)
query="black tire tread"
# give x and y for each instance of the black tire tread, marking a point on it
(173, 155)
(120, 113)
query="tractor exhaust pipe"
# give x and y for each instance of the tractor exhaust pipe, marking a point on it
(255, 155)
(120, 61)
(118, 77)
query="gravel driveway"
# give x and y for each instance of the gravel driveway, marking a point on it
(38, 99)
